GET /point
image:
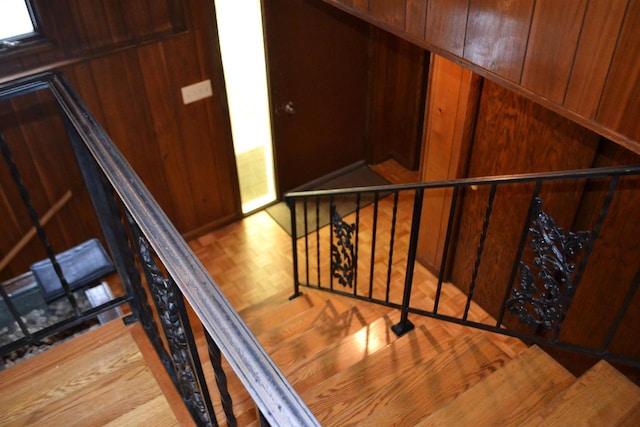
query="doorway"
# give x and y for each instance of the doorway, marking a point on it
(243, 59)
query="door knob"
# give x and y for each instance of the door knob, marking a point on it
(289, 108)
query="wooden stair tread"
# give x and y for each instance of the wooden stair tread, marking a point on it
(266, 306)
(289, 309)
(103, 365)
(507, 396)
(440, 379)
(601, 396)
(348, 351)
(297, 317)
(324, 332)
(631, 418)
(357, 393)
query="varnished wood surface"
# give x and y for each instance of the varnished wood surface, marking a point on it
(99, 378)
(497, 41)
(578, 58)
(128, 61)
(450, 115)
(397, 86)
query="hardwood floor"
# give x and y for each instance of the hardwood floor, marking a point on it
(339, 354)
(98, 378)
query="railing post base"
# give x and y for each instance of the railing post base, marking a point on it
(402, 328)
(295, 295)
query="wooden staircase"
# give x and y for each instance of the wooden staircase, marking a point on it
(350, 369)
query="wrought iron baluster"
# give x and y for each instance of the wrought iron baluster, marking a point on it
(623, 310)
(306, 240)
(343, 264)
(146, 312)
(15, 313)
(568, 296)
(332, 209)
(177, 329)
(391, 242)
(523, 241)
(294, 248)
(405, 325)
(318, 238)
(374, 233)
(554, 251)
(483, 236)
(35, 220)
(112, 223)
(355, 257)
(445, 251)
(221, 380)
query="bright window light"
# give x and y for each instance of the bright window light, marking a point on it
(15, 19)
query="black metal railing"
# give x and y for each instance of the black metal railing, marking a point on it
(161, 275)
(516, 271)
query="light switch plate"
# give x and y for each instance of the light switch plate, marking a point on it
(196, 91)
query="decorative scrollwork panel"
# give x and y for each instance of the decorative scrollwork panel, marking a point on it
(342, 250)
(544, 289)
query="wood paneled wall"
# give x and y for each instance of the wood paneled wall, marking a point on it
(397, 87)
(578, 58)
(509, 135)
(128, 61)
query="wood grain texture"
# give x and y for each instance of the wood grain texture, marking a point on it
(96, 379)
(77, 29)
(327, 85)
(601, 396)
(416, 19)
(43, 156)
(130, 80)
(555, 31)
(450, 116)
(613, 264)
(525, 385)
(620, 102)
(362, 5)
(392, 12)
(446, 24)
(598, 38)
(397, 87)
(497, 34)
(545, 142)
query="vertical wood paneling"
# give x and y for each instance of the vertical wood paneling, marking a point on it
(390, 12)
(449, 120)
(552, 43)
(159, 91)
(396, 99)
(594, 54)
(514, 135)
(416, 18)
(620, 105)
(613, 264)
(36, 136)
(127, 119)
(362, 5)
(497, 33)
(209, 195)
(446, 24)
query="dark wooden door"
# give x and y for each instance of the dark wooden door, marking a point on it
(317, 67)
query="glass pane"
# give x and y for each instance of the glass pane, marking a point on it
(243, 60)
(15, 19)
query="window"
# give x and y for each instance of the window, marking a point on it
(16, 22)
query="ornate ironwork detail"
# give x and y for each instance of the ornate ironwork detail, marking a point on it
(342, 250)
(539, 301)
(167, 299)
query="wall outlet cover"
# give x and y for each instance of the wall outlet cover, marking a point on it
(196, 91)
